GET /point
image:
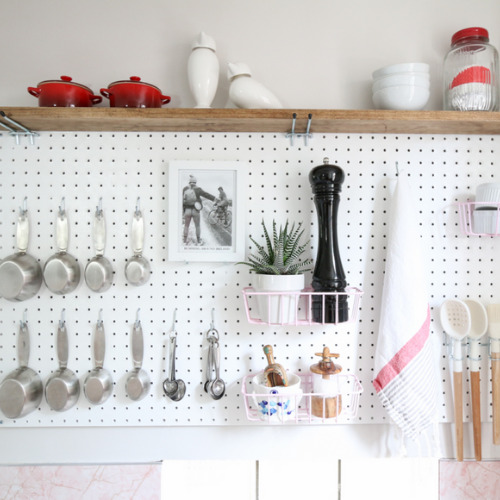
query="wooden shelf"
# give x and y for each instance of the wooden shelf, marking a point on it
(101, 119)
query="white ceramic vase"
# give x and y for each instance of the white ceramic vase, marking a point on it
(245, 92)
(279, 304)
(203, 71)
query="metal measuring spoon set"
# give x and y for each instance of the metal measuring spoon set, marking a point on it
(214, 385)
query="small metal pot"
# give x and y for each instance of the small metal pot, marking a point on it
(137, 269)
(98, 384)
(134, 94)
(20, 273)
(99, 271)
(138, 382)
(62, 388)
(21, 391)
(64, 93)
(61, 272)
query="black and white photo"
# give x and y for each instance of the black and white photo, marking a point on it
(205, 211)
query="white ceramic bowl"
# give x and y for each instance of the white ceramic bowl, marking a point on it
(276, 403)
(400, 68)
(401, 97)
(401, 79)
(488, 192)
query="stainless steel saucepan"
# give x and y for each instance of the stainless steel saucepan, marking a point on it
(137, 269)
(99, 271)
(62, 388)
(98, 384)
(21, 391)
(20, 273)
(61, 272)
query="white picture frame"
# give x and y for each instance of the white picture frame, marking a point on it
(216, 231)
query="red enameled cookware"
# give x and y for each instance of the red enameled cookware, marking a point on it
(64, 93)
(134, 94)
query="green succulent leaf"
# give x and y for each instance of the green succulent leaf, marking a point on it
(281, 253)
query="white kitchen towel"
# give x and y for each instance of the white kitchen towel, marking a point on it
(404, 370)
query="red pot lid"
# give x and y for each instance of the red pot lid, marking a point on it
(134, 80)
(67, 80)
(469, 33)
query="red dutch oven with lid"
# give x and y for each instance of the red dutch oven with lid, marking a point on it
(64, 93)
(134, 94)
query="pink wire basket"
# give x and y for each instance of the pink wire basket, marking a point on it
(304, 406)
(298, 306)
(479, 218)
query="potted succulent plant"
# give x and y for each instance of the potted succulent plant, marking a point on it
(278, 270)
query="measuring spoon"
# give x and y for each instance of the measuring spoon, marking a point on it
(174, 389)
(456, 321)
(138, 382)
(217, 387)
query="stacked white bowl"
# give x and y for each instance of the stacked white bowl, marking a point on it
(404, 86)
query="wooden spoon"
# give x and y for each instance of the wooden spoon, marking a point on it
(274, 374)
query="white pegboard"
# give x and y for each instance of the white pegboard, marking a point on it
(119, 167)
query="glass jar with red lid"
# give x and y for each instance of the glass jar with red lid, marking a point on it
(470, 72)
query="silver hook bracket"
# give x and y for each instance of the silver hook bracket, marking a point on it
(307, 135)
(62, 321)
(16, 133)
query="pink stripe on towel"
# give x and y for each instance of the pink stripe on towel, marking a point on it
(401, 359)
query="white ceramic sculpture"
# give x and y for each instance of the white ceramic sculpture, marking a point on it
(203, 71)
(245, 92)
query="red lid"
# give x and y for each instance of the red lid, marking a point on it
(469, 33)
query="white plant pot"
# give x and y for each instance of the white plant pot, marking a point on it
(277, 306)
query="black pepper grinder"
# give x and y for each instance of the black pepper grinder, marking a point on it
(328, 276)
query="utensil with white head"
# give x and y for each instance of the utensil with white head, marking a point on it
(494, 334)
(479, 325)
(456, 321)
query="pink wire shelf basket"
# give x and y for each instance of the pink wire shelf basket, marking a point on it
(304, 406)
(295, 308)
(479, 218)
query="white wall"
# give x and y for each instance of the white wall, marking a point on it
(312, 54)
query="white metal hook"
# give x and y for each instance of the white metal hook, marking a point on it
(137, 318)
(24, 207)
(63, 318)
(62, 207)
(138, 207)
(173, 332)
(99, 320)
(99, 207)
(212, 324)
(24, 321)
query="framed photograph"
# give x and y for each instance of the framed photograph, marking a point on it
(206, 211)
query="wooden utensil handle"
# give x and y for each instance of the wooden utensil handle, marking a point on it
(476, 413)
(458, 404)
(495, 375)
(268, 351)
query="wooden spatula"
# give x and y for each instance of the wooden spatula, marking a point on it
(275, 374)
(494, 333)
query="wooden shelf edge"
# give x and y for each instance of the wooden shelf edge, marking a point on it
(101, 119)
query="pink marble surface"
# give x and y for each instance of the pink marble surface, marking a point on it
(88, 482)
(469, 480)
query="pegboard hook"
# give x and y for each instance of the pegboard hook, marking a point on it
(24, 207)
(99, 207)
(137, 317)
(212, 324)
(24, 321)
(174, 321)
(307, 134)
(62, 207)
(99, 319)
(63, 318)
(138, 207)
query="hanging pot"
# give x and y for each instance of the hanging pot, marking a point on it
(61, 272)
(20, 273)
(21, 391)
(64, 93)
(134, 94)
